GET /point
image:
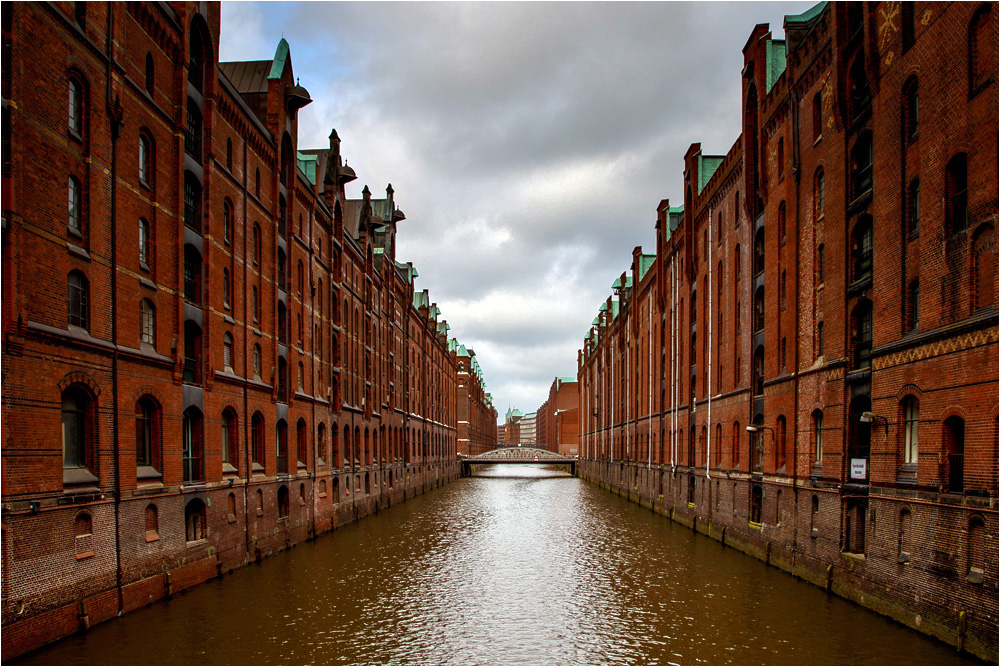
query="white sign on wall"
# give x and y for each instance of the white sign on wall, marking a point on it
(859, 468)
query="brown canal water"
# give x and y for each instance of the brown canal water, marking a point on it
(517, 565)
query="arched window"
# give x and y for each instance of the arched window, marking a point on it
(192, 445)
(75, 120)
(77, 427)
(911, 116)
(300, 278)
(192, 275)
(256, 361)
(736, 261)
(982, 49)
(781, 443)
(819, 193)
(256, 183)
(145, 159)
(905, 534)
(301, 378)
(152, 523)
(737, 435)
(256, 243)
(226, 288)
(192, 202)
(230, 440)
(192, 353)
(817, 416)
(282, 438)
(956, 194)
(911, 424)
(75, 209)
(282, 215)
(229, 154)
(255, 304)
(195, 527)
(83, 525)
(150, 79)
(78, 304)
(227, 352)
(257, 440)
(301, 442)
(147, 432)
(954, 444)
(196, 65)
(976, 550)
(321, 442)
(144, 249)
(283, 505)
(147, 322)
(193, 131)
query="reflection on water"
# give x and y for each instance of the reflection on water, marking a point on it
(517, 565)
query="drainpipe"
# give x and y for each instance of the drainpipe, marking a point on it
(673, 390)
(628, 381)
(612, 459)
(649, 407)
(796, 173)
(708, 341)
(246, 368)
(116, 128)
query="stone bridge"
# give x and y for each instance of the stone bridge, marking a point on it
(516, 454)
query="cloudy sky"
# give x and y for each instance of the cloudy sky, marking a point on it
(528, 144)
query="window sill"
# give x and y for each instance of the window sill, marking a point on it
(77, 251)
(85, 555)
(152, 536)
(147, 283)
(228, 468)
(147, 472)
(79, 476)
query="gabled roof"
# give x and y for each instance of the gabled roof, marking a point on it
(775, 49)
(645, 263)
(707, 165)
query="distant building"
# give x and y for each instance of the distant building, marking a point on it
(477, 418)
(512, 426)
(561, 417)
(529, 429)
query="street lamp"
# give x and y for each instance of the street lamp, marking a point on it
(871, 417)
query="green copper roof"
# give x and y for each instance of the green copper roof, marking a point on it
(463, 351)
(707, 166)
(420, 299)
(307, 163)
(645, 263)
(775, 61)
(808, 15)
(594, 323)
(617, 283)
(604, 307)
(280, 58)
(615, 307)
(674, 215)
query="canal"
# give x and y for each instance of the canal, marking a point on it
(517, 565)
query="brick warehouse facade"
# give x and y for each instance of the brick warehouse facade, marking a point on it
(210, 353)
(830, 283)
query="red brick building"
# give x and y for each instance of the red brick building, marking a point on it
(807, 367)
(477, 418)
(210, 353)
(559, 418)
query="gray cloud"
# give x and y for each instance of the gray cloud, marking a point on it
(528, 143)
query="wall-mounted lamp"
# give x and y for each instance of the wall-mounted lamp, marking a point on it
(871, 417)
